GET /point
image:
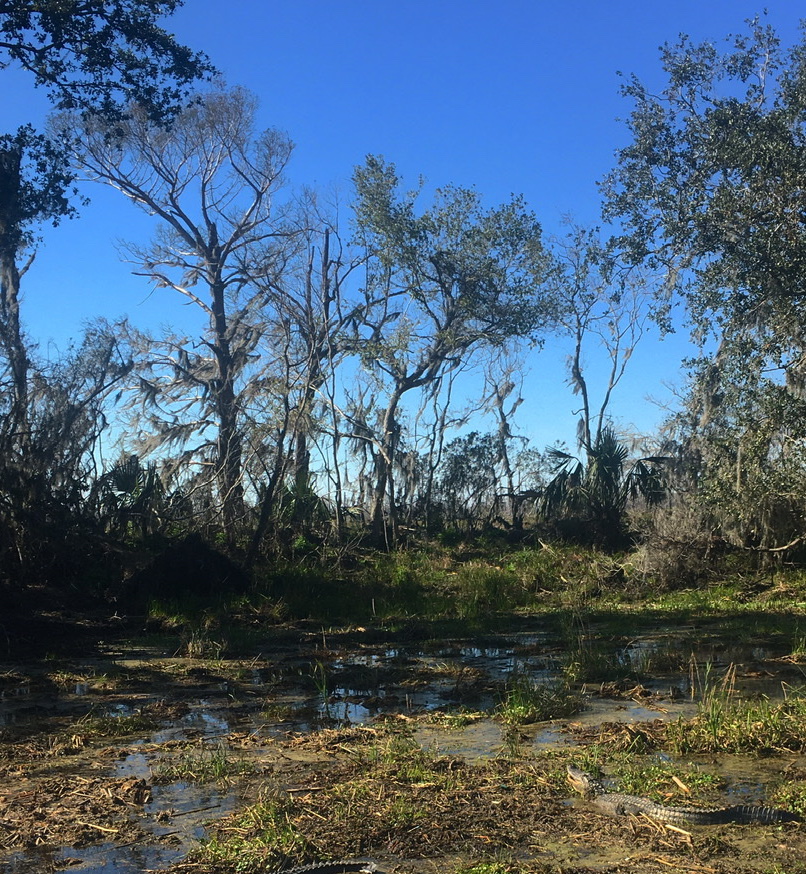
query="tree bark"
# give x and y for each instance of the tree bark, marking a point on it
(229, 448)
(11, 335)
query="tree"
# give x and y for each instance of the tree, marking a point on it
(598, 299)
(503, 376)
(598, 491)
(710, 189)
(98, 56)
(309, 335)
(45, 523)
(447, 280)
(469, 478)
(93, 56)
(35, 187)
(739, 440)
(211, 182)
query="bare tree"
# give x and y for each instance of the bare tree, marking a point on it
(503, 386)
(598, 303)
(211, 181)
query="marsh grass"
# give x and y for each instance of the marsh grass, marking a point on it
(480, 588)
(108, 725)
(726, 723)
(454, 719)
(261, 838)
(651, 777)
(526, 700)
(203, 764)
(198, 643)
(797, 651)
(790, 793)
(657, 779)
(319, 676)
(411, 764)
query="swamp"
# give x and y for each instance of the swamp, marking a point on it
(358, 538)
(244, 738)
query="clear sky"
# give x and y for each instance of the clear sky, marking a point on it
(509, 96)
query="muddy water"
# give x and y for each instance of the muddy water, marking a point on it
(313, 684)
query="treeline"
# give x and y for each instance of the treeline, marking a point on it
(319, 402)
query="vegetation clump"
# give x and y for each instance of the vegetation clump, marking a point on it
(527, 700)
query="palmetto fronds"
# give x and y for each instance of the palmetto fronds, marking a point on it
(600, 489)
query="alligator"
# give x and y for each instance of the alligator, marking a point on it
(618, 804)
(345, 866)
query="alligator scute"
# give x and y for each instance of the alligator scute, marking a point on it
(345, 866)
(619, 804)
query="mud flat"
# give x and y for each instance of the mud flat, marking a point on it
(408, 752)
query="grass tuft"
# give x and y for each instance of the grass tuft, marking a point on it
(203, 764)
(727, 724)
(526, 700)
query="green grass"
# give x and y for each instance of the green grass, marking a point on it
(790, 794)
(261, 838)
(645, 776)
(114, 726)
(727, 724)
(526, 700)
(203, 764)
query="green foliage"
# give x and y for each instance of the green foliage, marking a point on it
(475, 270)
(129, 494)
(527, 700)
(37, 185)
(97, 56)
(202, 764)
(791, 794)
(481, 590)
(468, 478)
(441, 282)
(599, 491)
(263, 835)
(727, 724)
(301, 507)
(709, 191)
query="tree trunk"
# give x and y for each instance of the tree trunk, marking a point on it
(11, 336)
(229, 449)
(384, 459)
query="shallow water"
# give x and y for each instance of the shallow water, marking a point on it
(308, 686)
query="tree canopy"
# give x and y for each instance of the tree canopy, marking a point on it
(98, 55)
(710, 191)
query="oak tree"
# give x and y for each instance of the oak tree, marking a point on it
(450, 278)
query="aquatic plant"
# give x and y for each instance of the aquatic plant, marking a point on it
(526, 700)
(726, 723)
(202, 764)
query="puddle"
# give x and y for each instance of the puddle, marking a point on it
(102, 859)
(308, 686)
(479, 740)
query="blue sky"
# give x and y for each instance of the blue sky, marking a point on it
(511, 96)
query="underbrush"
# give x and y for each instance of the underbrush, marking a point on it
(477, 591)
(435, 581)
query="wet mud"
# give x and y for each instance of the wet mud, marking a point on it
(132, 759)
